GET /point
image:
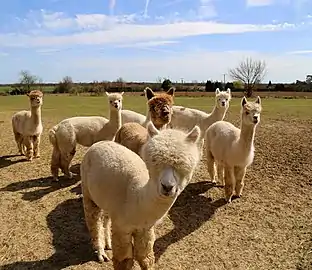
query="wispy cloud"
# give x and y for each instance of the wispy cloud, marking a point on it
(301, 52)
(2, 54)
(147, 2)
(258, 3)
(207, 9)
(122, 32)
(148, 44)
(112, 4)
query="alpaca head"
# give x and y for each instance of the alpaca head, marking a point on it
(115, 100)
(171, 157)
(36, 98)
(160, 106)
(251, 111)
(223, 98)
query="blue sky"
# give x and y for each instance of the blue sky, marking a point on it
(141, 40)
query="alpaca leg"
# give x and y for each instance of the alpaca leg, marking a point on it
(29, 147)
(239, 176)
(220, 172)
(19, 141)
(122, 250)
(143, 248)
(211, 166)
(229, 183)
(66, 159)
(36, 140)
(107, 231)
(55, 163)
(94, 221)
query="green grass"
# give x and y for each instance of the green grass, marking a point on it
(61, 106)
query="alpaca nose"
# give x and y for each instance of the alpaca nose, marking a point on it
(167, 188)
(165, 113)
(255, 119)
(223, 103)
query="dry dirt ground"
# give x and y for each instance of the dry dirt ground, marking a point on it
(42, 223)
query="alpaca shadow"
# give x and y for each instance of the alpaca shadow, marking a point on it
(70, 239)
(188, 213)
(46, 185)
(5, 161)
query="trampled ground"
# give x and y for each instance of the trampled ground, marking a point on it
(42, 224)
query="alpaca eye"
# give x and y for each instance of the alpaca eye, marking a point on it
(247, 113)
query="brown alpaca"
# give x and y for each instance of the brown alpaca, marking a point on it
(27, 126)
(133, 135)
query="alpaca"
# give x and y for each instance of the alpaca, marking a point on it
(233, 148)
(27, 126)
(133, 135)
(187, 118)
(131, 194)
(129, 116)
(83, 130)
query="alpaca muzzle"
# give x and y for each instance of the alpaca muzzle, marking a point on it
(168, 183)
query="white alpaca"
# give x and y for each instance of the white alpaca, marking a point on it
(233, 148)
(27, 126)
(83, 130)
(187, 118)
(129, 116)
(130, 194)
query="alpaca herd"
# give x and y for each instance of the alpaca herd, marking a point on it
(136, 166)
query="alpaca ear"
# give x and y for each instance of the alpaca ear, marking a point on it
(151, 130)
(171, 91)
(258, 100)
(217, 91)
(228, 91)
(107, 94)
(149, 93)
(193, 135)
(122, 93)
(244, 101)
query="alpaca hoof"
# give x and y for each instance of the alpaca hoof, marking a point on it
(37, 156)
(102, 257)
(70, 175)
(228, 200)
(108, 246)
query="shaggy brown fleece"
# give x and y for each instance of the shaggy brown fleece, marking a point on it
(160, 106)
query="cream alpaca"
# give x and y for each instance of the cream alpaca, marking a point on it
(233, 148)
(130, 194)
(133, 135)
(83, 130)
(27, 126)
(187, 118)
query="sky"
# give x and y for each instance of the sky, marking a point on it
(143, 40)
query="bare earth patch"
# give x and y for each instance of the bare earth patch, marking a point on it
(42, 223)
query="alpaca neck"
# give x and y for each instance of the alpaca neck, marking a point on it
(152, 207)
(217, 114)
(147, 119)
(246, 137)
(36, 115)
(115, 118)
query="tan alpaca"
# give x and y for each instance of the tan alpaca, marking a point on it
(131, 194)
(83, 130)
(134, 135)
(27, 126)
(233, 148)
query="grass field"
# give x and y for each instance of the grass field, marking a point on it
(42, 223)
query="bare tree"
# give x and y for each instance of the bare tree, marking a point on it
(27, 80)
(249, 72)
